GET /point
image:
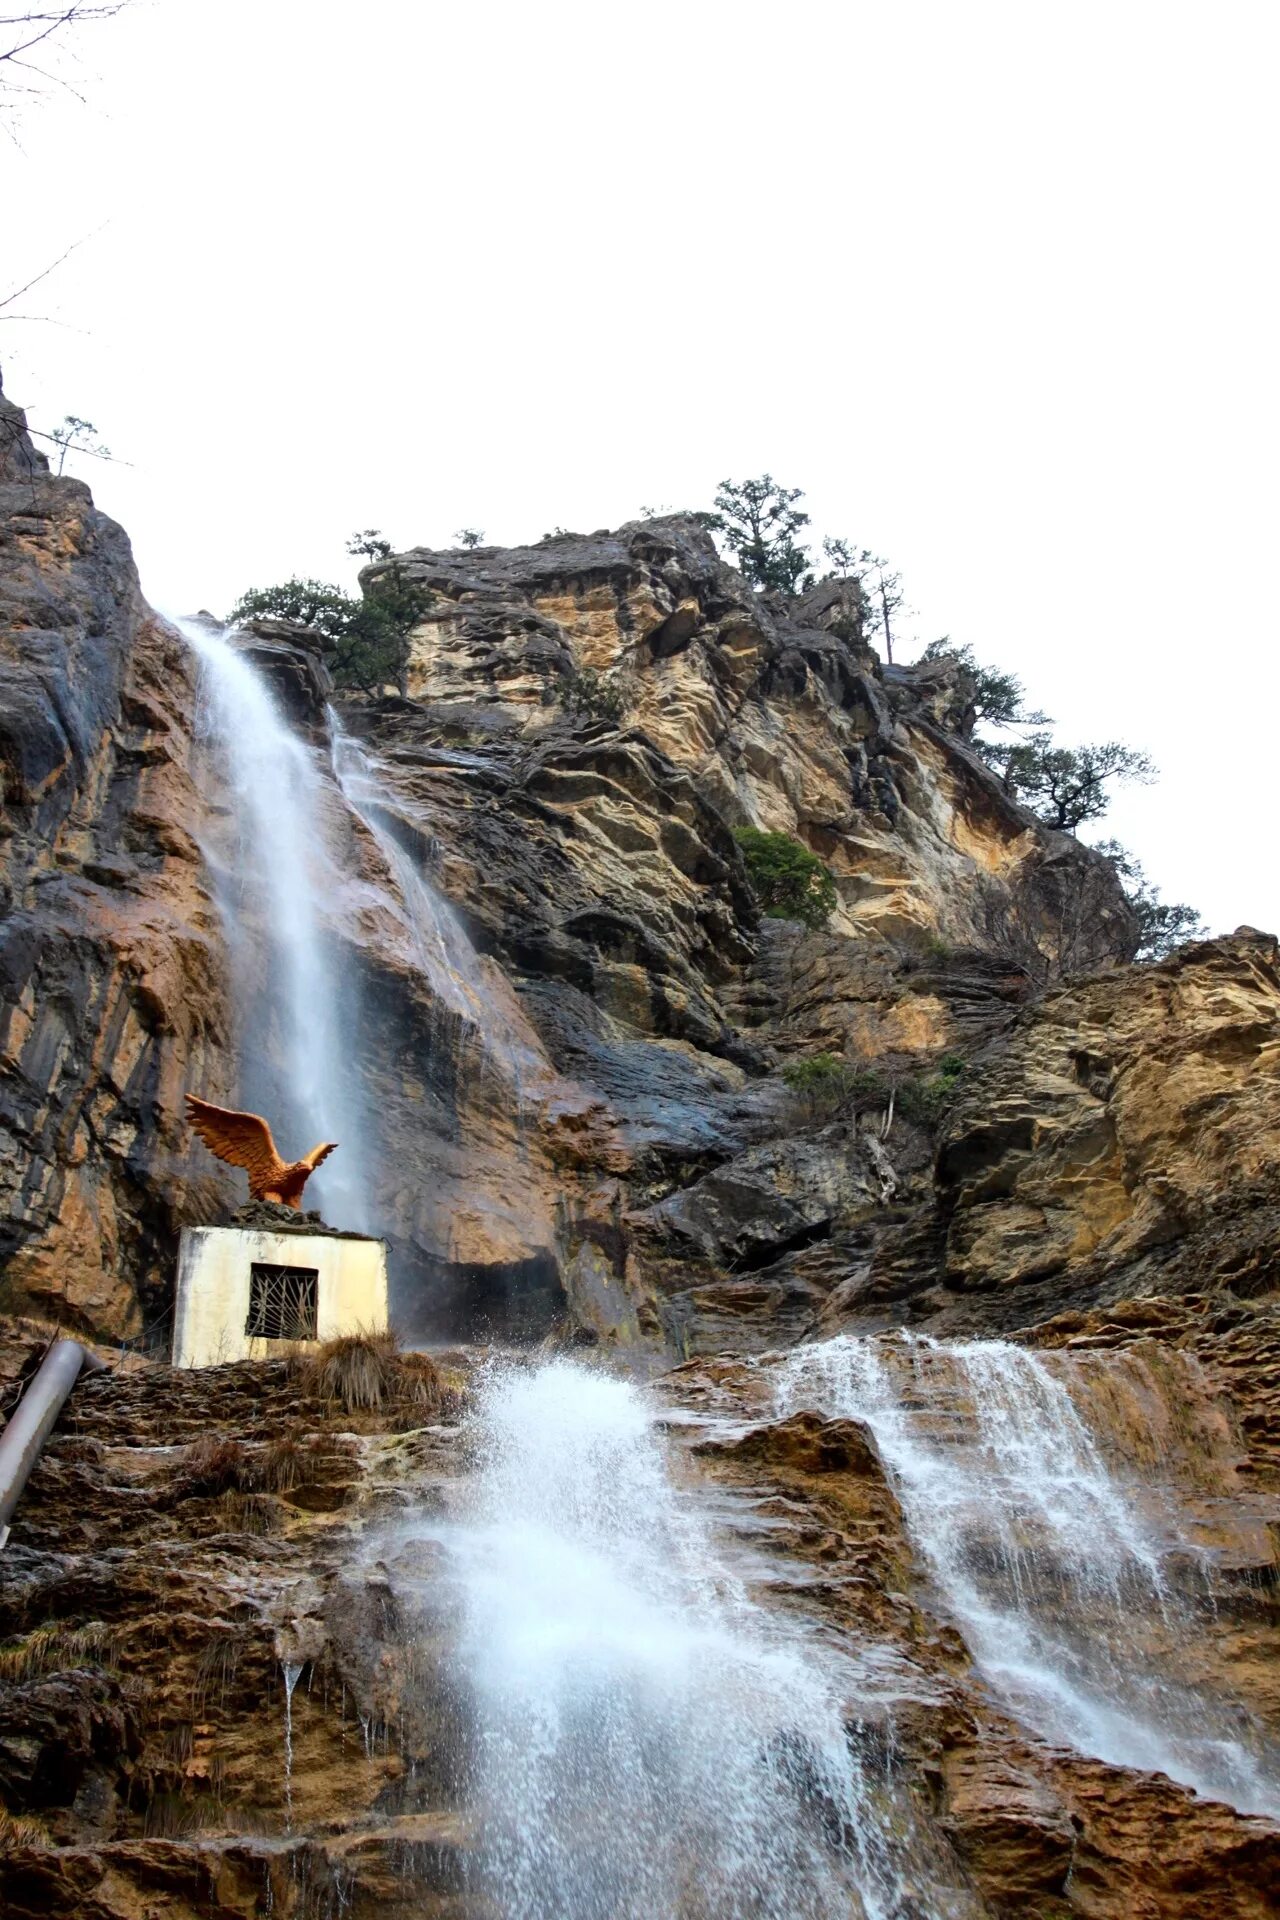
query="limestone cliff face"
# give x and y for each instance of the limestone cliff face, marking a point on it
(1126, 1115)
(643, 1005)
(595, 861)
(775, 710)
(110, 973)
(645, 1174)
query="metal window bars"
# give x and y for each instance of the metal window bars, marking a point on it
(283, 1302)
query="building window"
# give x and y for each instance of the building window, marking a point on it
(282, 1302)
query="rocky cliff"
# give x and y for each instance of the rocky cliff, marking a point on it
(647, 1005)
(584, 1136)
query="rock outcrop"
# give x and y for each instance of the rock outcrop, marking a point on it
(161, 1594)
(594, 1141)
(111, 976)
(643, 1005)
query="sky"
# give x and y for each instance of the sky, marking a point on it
(995, 284)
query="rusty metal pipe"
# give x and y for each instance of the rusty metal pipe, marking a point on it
(23, 1440)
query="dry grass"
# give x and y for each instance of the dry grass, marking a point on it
(254, 1513)
(213, 1466)
(358, 1370)
(57, 1649)
(217, 1667)
(284, 1465)
(367, 1373)
(17, 1830)
(172, 1816)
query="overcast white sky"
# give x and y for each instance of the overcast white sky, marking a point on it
(995, 283)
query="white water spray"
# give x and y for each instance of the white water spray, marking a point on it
(273, 877)
(1054, 1579)
(443, 951)
(648, 1744)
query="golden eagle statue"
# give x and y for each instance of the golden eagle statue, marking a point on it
(244, 1140)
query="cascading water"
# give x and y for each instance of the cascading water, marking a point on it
(273, 877)
(647, 1743)
(441, 946)
(1056, 1582)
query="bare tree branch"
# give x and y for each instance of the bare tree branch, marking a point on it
(21, 33)
(43, 274)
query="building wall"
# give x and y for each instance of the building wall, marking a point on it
(212, 1303)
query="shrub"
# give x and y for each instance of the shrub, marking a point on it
(925, 1098)
(829, 1085)
(788, 880)
(355, 1369)
(366, 1372)
(365, 642)
(587, 695)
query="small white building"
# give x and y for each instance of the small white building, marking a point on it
(245, 1294)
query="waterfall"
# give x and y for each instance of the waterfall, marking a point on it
(442, 948)
(1058, 1584)
(274, 872)
(647, 1742)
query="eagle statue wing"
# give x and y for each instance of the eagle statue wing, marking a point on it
(242, 1139)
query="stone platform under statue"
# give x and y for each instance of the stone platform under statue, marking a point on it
(254, 1292)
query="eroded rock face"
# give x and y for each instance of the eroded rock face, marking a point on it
(620, 956)
(110, 955)
(610, 1158)
(191, 1540)
(1129, 1122)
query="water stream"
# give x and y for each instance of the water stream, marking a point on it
(442, 947)
(292, 1671)
(1057, 1581)
(648, 1742)
(647, 1739)
(274, 871)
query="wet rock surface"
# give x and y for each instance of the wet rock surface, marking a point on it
(159, 1592)
(608, 1160)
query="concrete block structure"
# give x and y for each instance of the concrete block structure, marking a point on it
(249, 1294)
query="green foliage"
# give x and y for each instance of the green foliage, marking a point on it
(1065, 786)
(881, 587)
(77, 434)
(846, 560)
(829, 1085)
(469, 537)
(365, 642)
(308, 603)
(371, 543)
(789, 882)
(924, 1098)
(1161, 927)
(587, 695)
(759, 520)
(997, 697)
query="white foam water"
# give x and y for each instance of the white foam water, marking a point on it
(274, 873)
(1056, 1582)
(442, 948)
(648, 1743)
